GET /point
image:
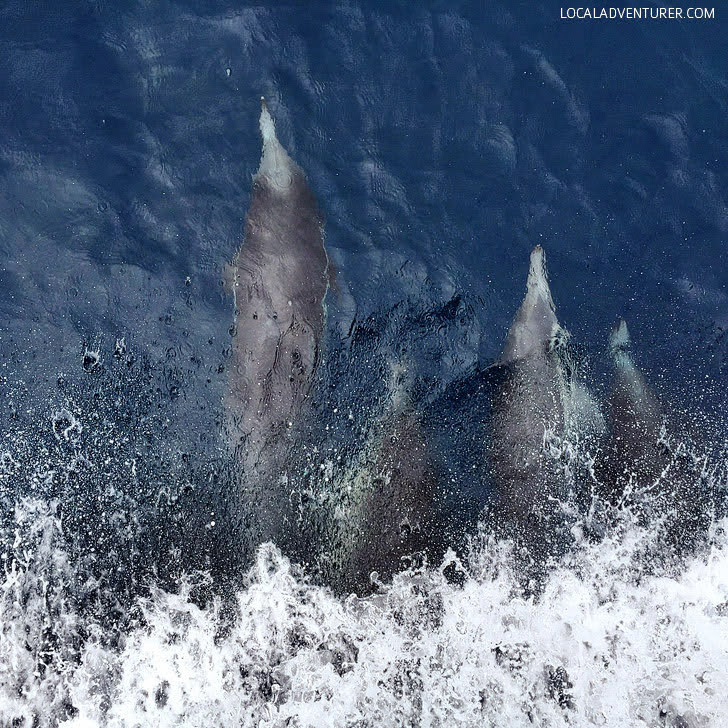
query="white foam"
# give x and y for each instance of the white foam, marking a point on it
(606, 645)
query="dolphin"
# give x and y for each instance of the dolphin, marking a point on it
(641, 465)
(631, 457)
(388, 509)
(279, 278)
(528, 413)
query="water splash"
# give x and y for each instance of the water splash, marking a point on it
(122, 600)
(607, 643)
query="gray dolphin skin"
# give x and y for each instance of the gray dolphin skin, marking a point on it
(638, 465)
(528, 405)
(392, 502)
(630, 458)
(279, 279)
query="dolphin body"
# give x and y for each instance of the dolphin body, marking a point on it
(640, 464)
(279, 278)
(529, 408)
(631, 458)
(387, 514)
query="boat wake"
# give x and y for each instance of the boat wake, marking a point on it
(613, 639)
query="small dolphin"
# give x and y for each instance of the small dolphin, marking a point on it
(528, 409)
(389, 503)
(635, 419)
(279, 279)
(640, 465)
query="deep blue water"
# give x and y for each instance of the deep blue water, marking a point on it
(442, 142)
(448, 137)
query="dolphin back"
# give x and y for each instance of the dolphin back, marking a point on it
(279, 279)
(528, 409)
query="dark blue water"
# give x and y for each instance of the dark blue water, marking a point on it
(442, 141)
(446, 137)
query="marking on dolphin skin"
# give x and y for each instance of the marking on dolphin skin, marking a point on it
(279, 279)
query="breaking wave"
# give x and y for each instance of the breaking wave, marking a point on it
(129, 596)
(609, 642)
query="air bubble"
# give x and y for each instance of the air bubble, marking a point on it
(91, 359)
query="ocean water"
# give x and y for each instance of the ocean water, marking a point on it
(442, 142)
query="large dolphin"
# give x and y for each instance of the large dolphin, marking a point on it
(528, 411)
(279, 279)
(643, 464)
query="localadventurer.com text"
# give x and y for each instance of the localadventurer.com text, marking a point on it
(637, 13)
